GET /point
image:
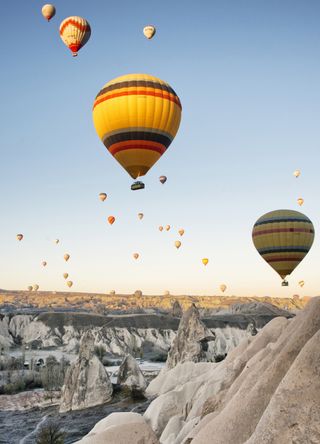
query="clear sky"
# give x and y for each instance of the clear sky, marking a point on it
(247, 73)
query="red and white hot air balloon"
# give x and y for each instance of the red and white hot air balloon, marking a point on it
(75, 32)
(48, 11)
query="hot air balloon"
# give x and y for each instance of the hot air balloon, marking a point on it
(149, 31)
(48, 11)
(19, 237)
(137, 116)
(223, 288)
(205, 261)
(29, 288)
(301, 283)
(297, 173)
(140, 215)
(168, 227)
(69, 283)
(56, 241)
(163, 179)
(160, 228)
(66, 257)
(111, 219)
(102, 197)
(177, 244)
(283, 238)
(300, 201)
(135, 255)
(36, 287)
(75, 32)
(65, 275)
(44, 263)
(181, 232)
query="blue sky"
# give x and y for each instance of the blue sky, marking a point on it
(247, 74)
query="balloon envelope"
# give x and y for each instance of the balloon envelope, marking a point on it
(300, 201)
(181, 232)
(168, 227)
(135, 255)
(56, 241)
(136, 117)
(30, 288)
(297, 173)
(177, 244)
(19, 237)
(223, 288)
(301, 283)
(163, 179)
(65, 275)
(149, 31)
(283, 238)
(69, 283)
(111, 219)
(102, 197)
(140, 215)
(205, 261)
(36, 287)
(160, 228)
(75, 33)
(44, 263)
(66, 257)
(48, 11)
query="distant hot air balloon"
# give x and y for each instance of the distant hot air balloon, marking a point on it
(102, 197)
(168, 227)
(19, 237)
(36, 287)
(29, 288)
(48, 11)
(56, 241)
(223, 288)
(181, 232)
(140, 136)
(149, 31)
(301, 283)
(283, 238)
(177, 244)
(135, 255)
(160, 228)
(75, 32)
(205, 261)
(66, 257)
(65, 275)
(300, 201)
(163, 179)
(44, 263)
(111, 219)
(140, 215)
(297, 173)
(69, 283)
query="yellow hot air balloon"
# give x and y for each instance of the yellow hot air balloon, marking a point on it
(149, 31)
(48, 11)
(65, 275)
(300, 201)
(177, 244)
(69, 283)
(181, 232)
(205, 261)
(301, 283)
(283, 238)
(140, 215)
(36, 287)
(297, 173)
(168, 227)
(102, 197)
(44, 263)
(160, 228)
(75, 33)
(30, 288)
(135, 255)
(137, 116)
(19, 237)
(66, 257)
(223, 288)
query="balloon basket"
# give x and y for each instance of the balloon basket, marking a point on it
(137, 186)
(285, 284)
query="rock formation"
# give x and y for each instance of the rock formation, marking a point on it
(177, 311)
(191, 342)
(86, 382)
(130, 377)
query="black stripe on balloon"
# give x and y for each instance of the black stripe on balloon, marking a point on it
(283, 250)
(273, 221)
(137, 135)
(136, 83)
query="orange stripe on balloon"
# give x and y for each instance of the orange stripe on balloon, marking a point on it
(76, 24)
(138, 93)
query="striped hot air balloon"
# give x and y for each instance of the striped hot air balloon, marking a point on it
(137, 116)
(75, 33)
(283, 238)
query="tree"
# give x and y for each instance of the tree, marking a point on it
(50, 433)
(52, 376)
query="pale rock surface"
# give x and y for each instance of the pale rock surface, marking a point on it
(121, 428)
(86, 383)
(130, 376)
(191, 341)
(177, 310)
